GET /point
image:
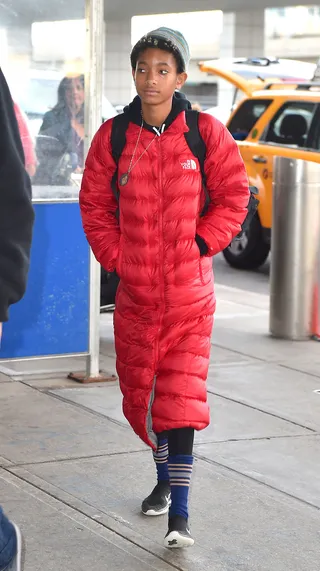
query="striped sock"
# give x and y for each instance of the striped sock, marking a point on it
(180, 470)
(161, 460)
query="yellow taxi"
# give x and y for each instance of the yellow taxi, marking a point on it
(277, 120)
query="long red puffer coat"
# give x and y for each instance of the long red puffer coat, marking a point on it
(165, 301)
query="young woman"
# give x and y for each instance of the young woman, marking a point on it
(162, 250)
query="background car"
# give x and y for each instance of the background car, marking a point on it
(272, 122)
(275, 113)
(248, 75)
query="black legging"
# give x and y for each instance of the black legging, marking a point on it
(180, 440)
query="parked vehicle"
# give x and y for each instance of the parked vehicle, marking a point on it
(278, 117)
(248, 75)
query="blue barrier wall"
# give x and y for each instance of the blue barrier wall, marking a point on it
(53, 317)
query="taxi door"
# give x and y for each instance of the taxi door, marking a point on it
(287, 134)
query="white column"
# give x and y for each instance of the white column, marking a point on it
(93, 113)
(249, 33)
(117, 71)
(242, 36)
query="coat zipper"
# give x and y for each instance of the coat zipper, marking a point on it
(161, 271)
(151, 435)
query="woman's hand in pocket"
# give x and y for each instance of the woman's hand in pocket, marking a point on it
(203, 248)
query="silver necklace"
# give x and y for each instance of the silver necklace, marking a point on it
(125, 177)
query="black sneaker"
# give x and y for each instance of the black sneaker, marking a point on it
(159, 501)
(178, 535)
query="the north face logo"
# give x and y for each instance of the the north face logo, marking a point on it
(189, 165)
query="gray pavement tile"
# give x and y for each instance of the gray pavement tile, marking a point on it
(38, 427)
(4, 462)
(237, 523)
(108, 363)
(4, 378)
(107, 349)
(241, 297)
(53, 383)
(289, 464)
(104, 399)
(307, 362)
(230, 420)
(269, 387)
(221, 356)
(59, 538)
(251, 337)
(50, 382)
(230, 310)
(106, 335)
(23, 367)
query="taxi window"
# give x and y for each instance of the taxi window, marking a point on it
(315, 139)
(291, 124)
(246, 117)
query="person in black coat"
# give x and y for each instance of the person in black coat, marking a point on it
(16, 222)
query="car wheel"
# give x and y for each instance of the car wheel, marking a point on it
(250, 251)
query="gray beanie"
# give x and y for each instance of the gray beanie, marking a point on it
(163, 38)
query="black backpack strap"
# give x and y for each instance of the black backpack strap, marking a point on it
(193, 137)
(198, 148)
(120, 125)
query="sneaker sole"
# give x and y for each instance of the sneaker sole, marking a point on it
(19, 547)
(176, 541)
(155, 513)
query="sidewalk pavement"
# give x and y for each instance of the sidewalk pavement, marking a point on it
(73, 474)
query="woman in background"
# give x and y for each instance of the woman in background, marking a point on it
(60, 143)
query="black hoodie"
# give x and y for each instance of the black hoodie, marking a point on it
(16, 212)
(179, 103)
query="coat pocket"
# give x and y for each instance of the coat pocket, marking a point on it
(119, 260)
(205, 269)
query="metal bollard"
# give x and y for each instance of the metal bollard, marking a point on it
(295, 247)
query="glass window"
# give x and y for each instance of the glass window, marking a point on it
(46, 79)
(246, 117)
(291, 124)
(42, 50)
